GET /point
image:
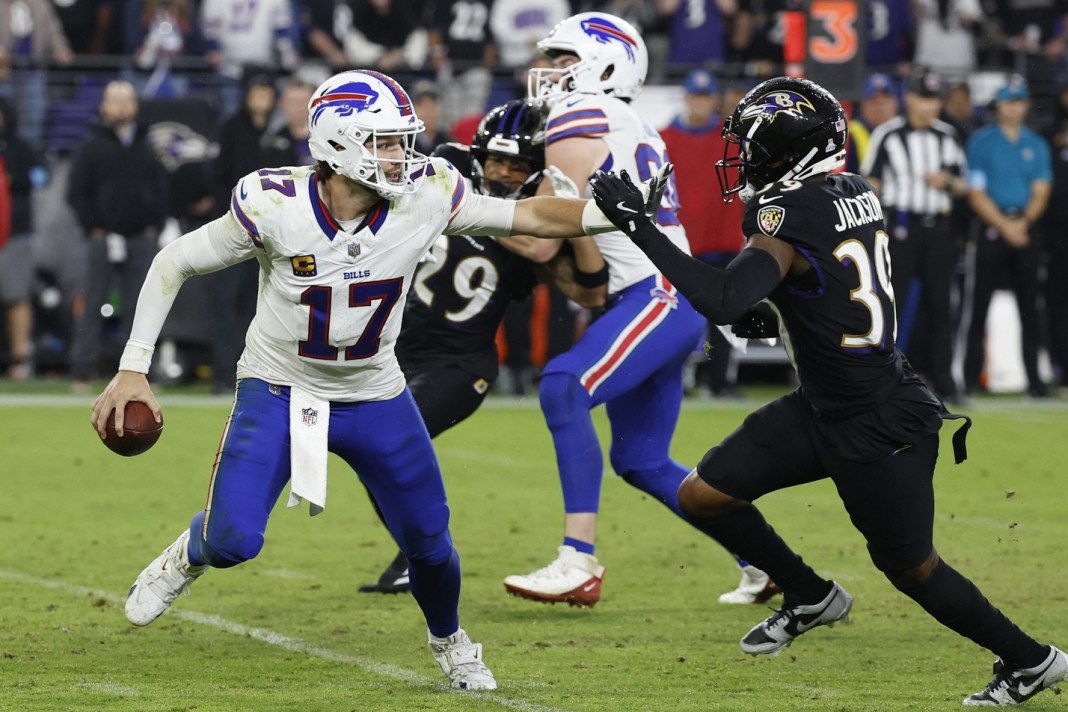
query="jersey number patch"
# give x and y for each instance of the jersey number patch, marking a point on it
(871, 280)
(474, 279)
(383, 296)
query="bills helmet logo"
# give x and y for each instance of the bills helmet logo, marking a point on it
(663, 295)
(770, 219)
(605, 32)
(779, 102)
(345, 100)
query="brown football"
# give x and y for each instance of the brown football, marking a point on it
(140, 430)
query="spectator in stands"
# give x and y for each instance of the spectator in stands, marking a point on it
(241, 151)
(426, 101)
(891, 32)
(916, 163)
(324, 25)
(462, 53)
(118, 190)
(386, 35)
(958, 109)
(243, 37)
(756, 37)
(1009, 175)
(285, 142)
(694, 142)
(30, 37)
(698, 29)
(518, 25)
(945, 35)
(24, 169)
(86, 24)
(156, 31)
(1055, 234)
(879, 104)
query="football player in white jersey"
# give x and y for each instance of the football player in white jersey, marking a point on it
(337, 245)
(631, 358)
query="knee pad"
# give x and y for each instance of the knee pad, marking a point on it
(562, 396)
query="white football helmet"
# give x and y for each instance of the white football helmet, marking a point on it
(347, 116)
(612, 58)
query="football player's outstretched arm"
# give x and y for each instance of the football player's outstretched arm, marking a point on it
(721, 295)
(218, 244)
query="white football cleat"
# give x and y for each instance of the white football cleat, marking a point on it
(755, 587)
(573, 578)
(461, 661)
(159, 584)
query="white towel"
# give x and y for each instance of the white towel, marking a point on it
(309, 422)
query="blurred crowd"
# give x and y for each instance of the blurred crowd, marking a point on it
(186, 96)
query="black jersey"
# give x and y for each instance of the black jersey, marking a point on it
(839, 316)
(459, 295)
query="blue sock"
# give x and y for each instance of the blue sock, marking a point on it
(196, 542)
(583, 546)
(436, 588)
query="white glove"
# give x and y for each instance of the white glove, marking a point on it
(563, 187)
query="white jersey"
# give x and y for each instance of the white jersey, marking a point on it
(330, 301)
(246, 31)
(635, 147)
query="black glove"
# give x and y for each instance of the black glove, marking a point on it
(759, 322)
(626, 205)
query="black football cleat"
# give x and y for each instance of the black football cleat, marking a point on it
(1014, 687)
(393, 580)
(778, 631)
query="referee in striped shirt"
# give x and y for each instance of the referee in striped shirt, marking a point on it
(917, 164)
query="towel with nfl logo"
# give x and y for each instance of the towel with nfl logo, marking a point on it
(309, 421)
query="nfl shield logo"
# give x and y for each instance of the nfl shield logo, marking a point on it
(310, 415)
(770, 219)
(354, 249)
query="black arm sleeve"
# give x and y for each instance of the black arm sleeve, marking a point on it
(721, 295)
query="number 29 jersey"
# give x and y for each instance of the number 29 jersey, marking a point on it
(330, 301)
(838, 317)
(634, 146)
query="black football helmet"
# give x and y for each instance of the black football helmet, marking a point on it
(516, 130)
(784, 129)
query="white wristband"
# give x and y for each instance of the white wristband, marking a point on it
(593, 220)
(137, 356)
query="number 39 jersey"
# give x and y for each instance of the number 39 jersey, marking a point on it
(635, 147)
(839, 316)
(330, 301)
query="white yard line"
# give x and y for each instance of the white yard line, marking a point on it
(271, 637)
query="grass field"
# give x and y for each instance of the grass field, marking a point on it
(288, 631)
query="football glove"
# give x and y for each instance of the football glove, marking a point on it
(759, 322)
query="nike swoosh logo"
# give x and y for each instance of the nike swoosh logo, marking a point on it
(571, 103)
(589, 587)
(768, 198)
(624, 208)
(163, 566)
(243, 192)
(1025, 689)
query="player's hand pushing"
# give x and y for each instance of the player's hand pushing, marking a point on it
(126, 386)
(628, 206)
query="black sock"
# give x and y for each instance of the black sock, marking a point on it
(747, 535)
(956, 603)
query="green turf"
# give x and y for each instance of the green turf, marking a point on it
(288, 632)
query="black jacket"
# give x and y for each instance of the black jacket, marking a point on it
(19, 160)
(118, 188)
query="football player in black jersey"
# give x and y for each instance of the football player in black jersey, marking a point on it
(447, 346)
(818, 252)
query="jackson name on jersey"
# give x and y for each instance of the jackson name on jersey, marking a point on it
(634, 146)
(330, 301)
